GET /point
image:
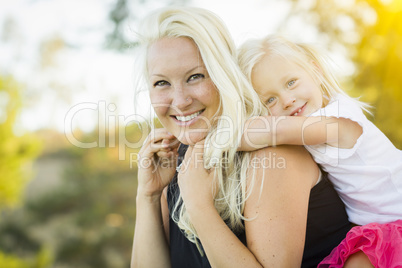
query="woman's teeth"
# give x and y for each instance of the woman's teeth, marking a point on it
(188, 117)
(297, 112)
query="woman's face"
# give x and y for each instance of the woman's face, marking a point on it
(182, 93)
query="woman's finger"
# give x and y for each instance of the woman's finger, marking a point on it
(154, 141)
(157, 135)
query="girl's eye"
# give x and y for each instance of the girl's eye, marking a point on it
(291, 83)
(270, 100)
(195, 77)
(161, 83)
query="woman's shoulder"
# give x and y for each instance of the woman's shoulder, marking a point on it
(285, 161)
(291, 152)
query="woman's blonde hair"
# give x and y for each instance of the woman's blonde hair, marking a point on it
(238, 101)
(306, 56)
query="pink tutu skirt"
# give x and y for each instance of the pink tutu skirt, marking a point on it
(382, 243)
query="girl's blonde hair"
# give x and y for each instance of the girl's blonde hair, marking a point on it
(238, 101)
(305, 55)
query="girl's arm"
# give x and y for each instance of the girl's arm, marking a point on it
(277, 211)
(263, 131)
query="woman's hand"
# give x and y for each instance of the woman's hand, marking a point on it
(157, 162)
(156, 168)
(197, 184)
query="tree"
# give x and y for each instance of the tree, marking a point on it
(125, 13)
(86, 220)
(378, 57)
(16, 152)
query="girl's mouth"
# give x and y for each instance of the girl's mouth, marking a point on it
(298, 111)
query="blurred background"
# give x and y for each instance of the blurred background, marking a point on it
(69, 130)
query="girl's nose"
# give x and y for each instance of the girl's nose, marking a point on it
(288, 101)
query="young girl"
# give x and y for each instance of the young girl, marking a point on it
(309, 108)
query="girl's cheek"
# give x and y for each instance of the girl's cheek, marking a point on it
(273, 111)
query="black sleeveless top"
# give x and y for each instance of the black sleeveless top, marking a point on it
(327, 225)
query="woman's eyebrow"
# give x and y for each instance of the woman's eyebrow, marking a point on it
(196, 67)
(159, 75)
(186, 73)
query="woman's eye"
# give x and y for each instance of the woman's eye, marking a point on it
(291, 83)
(161, 83)
(195, 77)
(270, 100)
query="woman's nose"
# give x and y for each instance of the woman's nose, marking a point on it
(180, 97)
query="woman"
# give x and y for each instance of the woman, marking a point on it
(222, 208)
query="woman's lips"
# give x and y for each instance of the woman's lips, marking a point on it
(185, 120)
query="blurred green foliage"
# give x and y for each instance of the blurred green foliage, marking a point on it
(16, 152)
(87, 219)
(378, 57)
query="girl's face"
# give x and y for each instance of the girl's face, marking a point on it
(182, 93)
(285, 87)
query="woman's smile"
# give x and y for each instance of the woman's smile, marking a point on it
(186, 120)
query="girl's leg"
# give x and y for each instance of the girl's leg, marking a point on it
(358, 260)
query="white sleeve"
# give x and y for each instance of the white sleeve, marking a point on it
(340, 107)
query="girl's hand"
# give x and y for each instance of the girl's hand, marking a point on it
(157, 162)
(197, 184)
